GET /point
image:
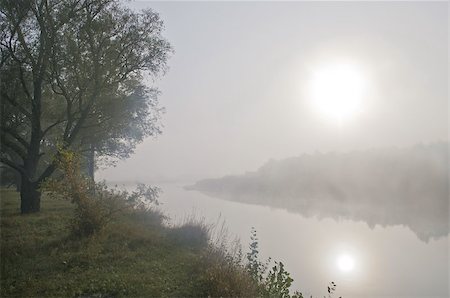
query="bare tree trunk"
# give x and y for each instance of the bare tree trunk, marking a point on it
(30, 196)
(91, 169)
(91, 163)
(18, 181)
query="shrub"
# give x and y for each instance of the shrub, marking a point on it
(254, 266)
(96, 205)
(225, 275)
(277, 281)
(191, 235)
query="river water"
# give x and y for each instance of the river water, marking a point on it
(387, 262)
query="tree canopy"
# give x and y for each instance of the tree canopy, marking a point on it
(75, 74)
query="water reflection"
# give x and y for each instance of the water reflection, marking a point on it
(388, 262)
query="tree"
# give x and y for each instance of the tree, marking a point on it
(114, 130)
(73, 77)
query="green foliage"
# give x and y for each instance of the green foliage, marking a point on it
(191, 234)
(75, 73)
(134, 256)
(278, 281)
(96, 205)
(226, 276)
(255, 267)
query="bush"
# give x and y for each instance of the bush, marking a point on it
(190, 234)
(96, 205)
(277, 282)
(225, 275)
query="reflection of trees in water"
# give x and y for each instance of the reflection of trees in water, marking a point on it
(380, 187)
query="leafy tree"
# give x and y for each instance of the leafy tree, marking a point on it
(73, 77)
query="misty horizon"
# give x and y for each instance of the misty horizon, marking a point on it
(226, 112)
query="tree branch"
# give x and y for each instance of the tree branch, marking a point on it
(51, 126)
(12, 165)
(24, 85)
(24, 45)
(15, 135)
(15, 104)
(47, 172)
(13, 146)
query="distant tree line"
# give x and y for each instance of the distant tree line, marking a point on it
(380, 186)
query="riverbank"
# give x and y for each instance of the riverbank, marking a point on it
(136, 256)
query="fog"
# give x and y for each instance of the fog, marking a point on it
(385, 187)
(234, 93)
(242, 131)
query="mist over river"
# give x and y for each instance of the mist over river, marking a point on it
(388, 262)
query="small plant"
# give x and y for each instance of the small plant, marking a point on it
(255, 267)
(277, 281)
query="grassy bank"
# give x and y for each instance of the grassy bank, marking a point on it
(135, 255)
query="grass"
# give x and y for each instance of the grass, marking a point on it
(134, 256)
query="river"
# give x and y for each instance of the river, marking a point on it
(385, 262)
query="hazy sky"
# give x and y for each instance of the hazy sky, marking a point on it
(235, 92)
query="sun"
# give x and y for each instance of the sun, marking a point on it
(337, 90)
(345, 263)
